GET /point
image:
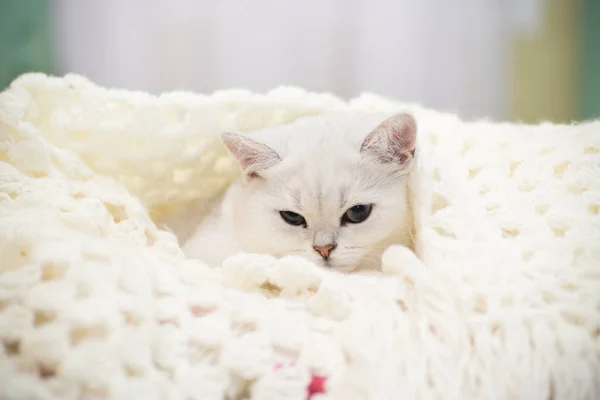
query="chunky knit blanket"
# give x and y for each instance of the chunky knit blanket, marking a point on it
(501, 299)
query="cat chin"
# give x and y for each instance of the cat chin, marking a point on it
(341, 266)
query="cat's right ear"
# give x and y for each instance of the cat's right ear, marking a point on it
(252, 156)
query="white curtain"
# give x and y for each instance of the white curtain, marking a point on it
(448, 54)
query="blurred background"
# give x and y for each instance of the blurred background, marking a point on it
(526, 60)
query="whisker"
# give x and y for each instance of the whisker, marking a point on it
(296, 251)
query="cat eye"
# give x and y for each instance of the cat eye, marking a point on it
(292, 218)
(357, 214)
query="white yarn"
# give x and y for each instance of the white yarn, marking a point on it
(502, 302)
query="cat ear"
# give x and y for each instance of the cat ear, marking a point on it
(252, 156)
(393, 140)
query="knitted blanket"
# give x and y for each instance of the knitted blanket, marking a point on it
(501, 299)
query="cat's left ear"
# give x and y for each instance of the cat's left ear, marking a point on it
(393, 140)
(252, 156)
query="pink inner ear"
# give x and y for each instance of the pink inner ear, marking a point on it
(393, 140)
(250, 154)
(247, 157)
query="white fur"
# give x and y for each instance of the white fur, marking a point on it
(321, 175)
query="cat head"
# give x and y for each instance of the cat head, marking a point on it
(330, 189)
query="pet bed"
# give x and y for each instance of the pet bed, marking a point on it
(97, 301)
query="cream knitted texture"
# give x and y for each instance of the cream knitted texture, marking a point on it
(97, 302)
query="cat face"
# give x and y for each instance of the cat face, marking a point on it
(332, 191)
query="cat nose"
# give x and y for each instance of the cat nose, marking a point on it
(324, 251)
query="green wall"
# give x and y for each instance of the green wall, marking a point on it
(547, 64)
(25, 38)
(590, 83)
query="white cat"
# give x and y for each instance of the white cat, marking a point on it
(332, 189)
